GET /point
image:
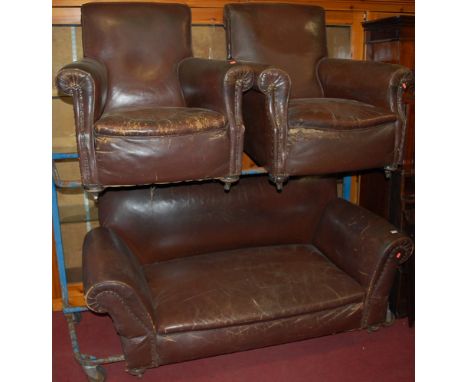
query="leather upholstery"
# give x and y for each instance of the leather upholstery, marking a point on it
(189, 271)
(291, 37)
(141, 63)
(86, 82)
(122, 91)
(157, 223)
(158, 121)
(365, 246)
(295, 65)
(245, 286)
(200, 77)
(176, 347)
(125, 159)
(350, 79)
(335, 113)
(114, 283)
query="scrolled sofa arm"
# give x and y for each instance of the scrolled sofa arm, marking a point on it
(114, 283)
(86, 82)
(365, 246)
(375, 83)
(218, 85)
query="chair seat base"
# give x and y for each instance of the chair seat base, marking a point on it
(236, 300)
(130, 160)
(158, 121)
(321, 152)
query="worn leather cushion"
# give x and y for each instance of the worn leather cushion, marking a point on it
(158, 121)
(246, 286)
(334, 113)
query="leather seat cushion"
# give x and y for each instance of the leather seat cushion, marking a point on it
(158, 121)
(246, 286)
(334, 113)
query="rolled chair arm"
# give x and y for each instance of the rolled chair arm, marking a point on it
(114, 283)
(371, 82)
(86, 82)
(366, 247)
(218, 85)
(375, 83)
(271, 88)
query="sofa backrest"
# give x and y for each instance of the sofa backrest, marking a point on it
(166, 222)
(291, 37)
(141, 45)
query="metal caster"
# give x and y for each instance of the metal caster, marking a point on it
(278, 181)
(390, 319)
(228, 181)
(389, 171)
(373, 328)
(95, 373)
(136, 372)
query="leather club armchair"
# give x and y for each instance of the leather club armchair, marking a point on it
(146, 111)
(187, 272)
(308, 114)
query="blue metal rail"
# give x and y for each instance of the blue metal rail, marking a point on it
(347, 188)
(57, 182)
(72, 313)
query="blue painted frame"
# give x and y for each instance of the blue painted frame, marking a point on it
(66, 308)
(347, 188)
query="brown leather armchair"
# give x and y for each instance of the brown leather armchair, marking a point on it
(146, 111)
(186, 271)
(308, 114)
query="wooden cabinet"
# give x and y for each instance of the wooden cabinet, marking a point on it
(391, 40)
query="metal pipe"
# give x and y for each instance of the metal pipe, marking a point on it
(59, 247)
(347, 188)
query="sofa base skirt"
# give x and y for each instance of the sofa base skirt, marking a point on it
(184, 346)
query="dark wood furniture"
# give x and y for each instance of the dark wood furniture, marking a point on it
(391, 40)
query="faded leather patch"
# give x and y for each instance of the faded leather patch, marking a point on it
(158, 121)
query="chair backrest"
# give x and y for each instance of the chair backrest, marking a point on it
(291, 37)
(141, 45)
(181, 220)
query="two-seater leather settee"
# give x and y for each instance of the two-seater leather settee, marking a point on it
(189, 271)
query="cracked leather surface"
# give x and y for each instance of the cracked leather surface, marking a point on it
(295, 47)
(200, 77)
(168, 222)
(122, 91)
(335, 113)
(158, 121)
(114, 283)
(365, 246)
(245, 286)
(188, 271)
(277, 115)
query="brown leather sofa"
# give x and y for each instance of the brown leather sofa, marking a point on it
(188, 271)
(146, 111)
(308, 114)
